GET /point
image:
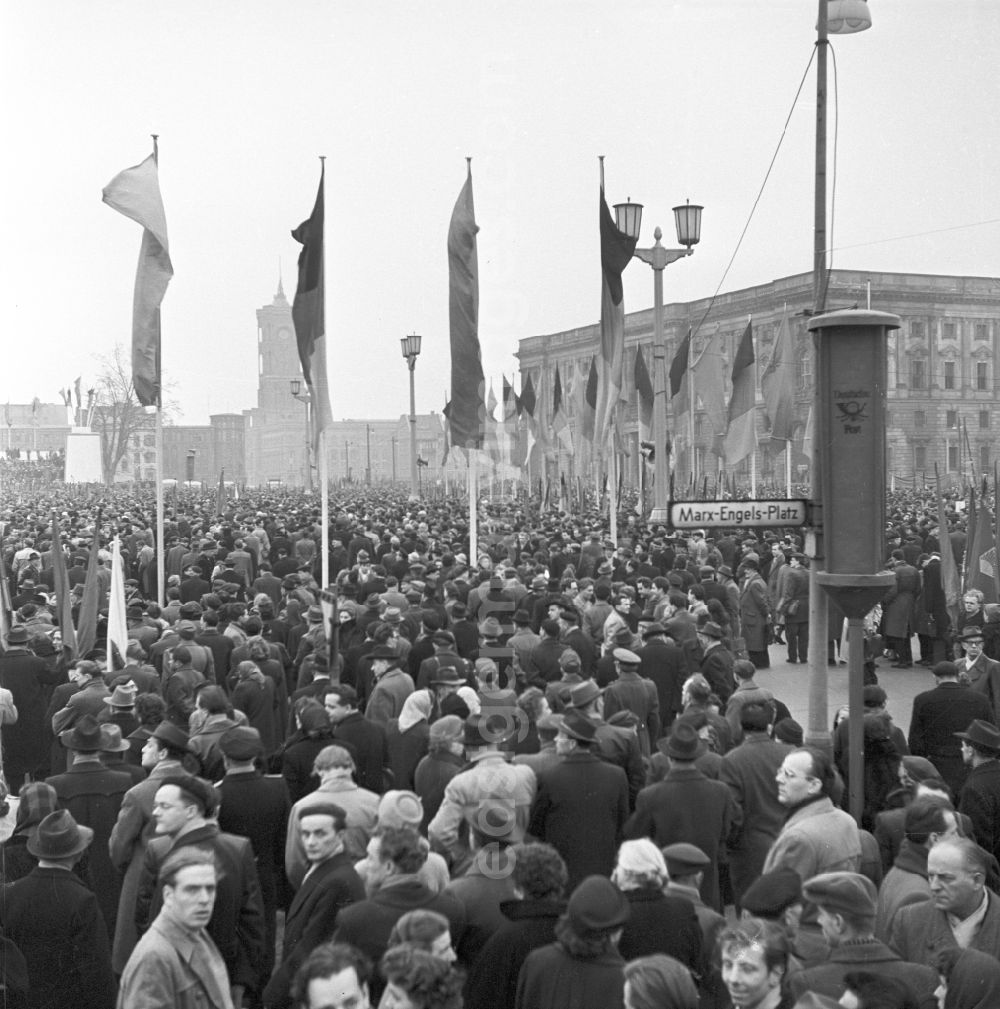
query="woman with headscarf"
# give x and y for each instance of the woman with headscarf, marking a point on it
(445, 758)
(254, 696)
(261, 653)
(407, 737)
(659, 923)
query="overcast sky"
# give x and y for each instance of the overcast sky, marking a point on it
(687, 100)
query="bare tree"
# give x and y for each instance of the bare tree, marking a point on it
(117, 413)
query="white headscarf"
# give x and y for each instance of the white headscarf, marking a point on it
(471, 699)
(416, 708)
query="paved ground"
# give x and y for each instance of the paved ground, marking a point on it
(791, 684)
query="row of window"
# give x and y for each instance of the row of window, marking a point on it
(949, 331)
(918, 374)
(951, 419)
(954, 458)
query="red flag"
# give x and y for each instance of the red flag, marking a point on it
(64, 602)
(778, 385)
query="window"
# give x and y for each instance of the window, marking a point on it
(917, 331)
(918, 373)
(984, 420)
(951, 419)
(984, 458)
(982, 331)
(949, 374)
(981, 376)
(952, 458)
(919, 418)
(803, 367)
(949, 331)
(920, 457)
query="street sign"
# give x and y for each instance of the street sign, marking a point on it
(696, 514)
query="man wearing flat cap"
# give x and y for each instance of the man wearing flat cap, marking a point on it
(686, 865)
(980, 795)
(631, 692)
(582, 802)
(846, 902)
(54, 919)
(183, 809)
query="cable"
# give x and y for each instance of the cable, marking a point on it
(760, 193)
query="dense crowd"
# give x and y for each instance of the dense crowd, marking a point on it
(534, 774)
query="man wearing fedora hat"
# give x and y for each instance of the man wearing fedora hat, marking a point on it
(980, 795)
(392, 686)
(582, 802)
(717, 660)
(93, 793)
(662, 661)
(56, 922)
(938, 714)
(687, 806)
(978, 670)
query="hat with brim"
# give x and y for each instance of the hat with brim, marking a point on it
(684, 859)
(597, 906)
(123, 696)
(971, 633)
(711, 630)
(982, 736)
(626, 657)
(584, 693)
(17, 636)
(683, 743)
(111, 739)
(384, 652)
(578, 726)
(490, 628)
(172, 735)
(653, 629)
(84, 737)
(59, 836)
(447, 676)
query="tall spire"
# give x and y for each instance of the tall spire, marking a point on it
(279, 298)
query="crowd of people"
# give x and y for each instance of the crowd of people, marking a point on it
(534, 774)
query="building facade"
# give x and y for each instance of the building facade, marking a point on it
(943, 366)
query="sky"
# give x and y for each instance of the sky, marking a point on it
(686, 100)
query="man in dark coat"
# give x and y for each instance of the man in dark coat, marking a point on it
(93, 793)
(749, 771)
(24, 674)
(330, 885)
(935, 644)
(395, 855)
(687, 806)
(367, 739)
(181, 812)
(55, 921)
(980, 796)
(256, 807)
(662, 661)
(717, 663)
(581, 804)
(937, 715)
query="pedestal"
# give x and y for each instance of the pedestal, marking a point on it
(83, 457)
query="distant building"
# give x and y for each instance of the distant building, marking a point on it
(943, 364)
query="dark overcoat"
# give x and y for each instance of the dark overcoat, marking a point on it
(661, 923)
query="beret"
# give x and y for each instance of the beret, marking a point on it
(683, 859)
(597, 905)
(772, 893)
(241, 742)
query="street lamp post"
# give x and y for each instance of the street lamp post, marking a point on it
(838, 17)
(687, 218)
(304, 398)
(411, 351)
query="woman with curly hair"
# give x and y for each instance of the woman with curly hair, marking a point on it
(532, 705)
(416, 979)
(424, 929)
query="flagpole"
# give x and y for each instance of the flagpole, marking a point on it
(324, 489)
(160, 548)
(691, 401)
(473, 511)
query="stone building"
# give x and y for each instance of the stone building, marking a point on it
(943, 365)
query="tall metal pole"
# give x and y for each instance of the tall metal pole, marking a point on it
(414, 489)
(818, 731)
(368, 450)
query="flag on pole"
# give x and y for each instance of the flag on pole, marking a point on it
(492, 444)
(741, 432)
(616, 251)
(135, 193)
(950, 581)
(807, 437)
(220, 494)
(86, 625)
(777, 383)
(560, 422)
(528, 401)
(446, 413)
(117, 626)
(644, 392)
(467, 400)
(590, 403)
(679, 365)
(309, 316)
(6, 609)
(708, 382)
(982, 563)
(64, 602)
